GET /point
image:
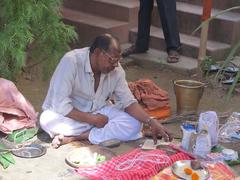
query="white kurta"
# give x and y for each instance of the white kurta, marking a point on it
(72, 85)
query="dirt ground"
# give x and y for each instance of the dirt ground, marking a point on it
(35, 90)
(213, 98)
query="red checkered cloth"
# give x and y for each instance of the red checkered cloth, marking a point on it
(137, 165)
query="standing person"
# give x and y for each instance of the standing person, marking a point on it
(76, 105)
(167, 12)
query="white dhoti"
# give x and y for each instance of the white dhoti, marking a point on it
(120, 126)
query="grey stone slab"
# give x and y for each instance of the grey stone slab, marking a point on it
(155, 58)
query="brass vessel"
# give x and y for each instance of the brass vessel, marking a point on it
(188, 94)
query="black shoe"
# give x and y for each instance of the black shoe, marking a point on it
(131, 50)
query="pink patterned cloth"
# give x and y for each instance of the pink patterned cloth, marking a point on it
(124, 167)
(15, 111)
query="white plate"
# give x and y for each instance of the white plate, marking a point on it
(178, 169)
(85, 155)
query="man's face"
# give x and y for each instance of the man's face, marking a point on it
(109, 60)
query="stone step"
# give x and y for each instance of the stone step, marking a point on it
(190, 44)
(225, 28)
(88, 26)
(123, 10)
(156, 58)
(218, 4)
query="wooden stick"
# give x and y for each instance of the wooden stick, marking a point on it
(207, 6)
(203, 44)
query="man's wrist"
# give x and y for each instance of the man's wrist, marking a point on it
(149, 120)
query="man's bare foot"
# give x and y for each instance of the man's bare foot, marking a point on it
(173, 56)
(60, 139)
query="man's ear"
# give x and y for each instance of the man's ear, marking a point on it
(97, 51)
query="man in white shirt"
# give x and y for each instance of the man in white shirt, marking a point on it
(77, 104)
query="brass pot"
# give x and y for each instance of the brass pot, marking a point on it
(188, 94)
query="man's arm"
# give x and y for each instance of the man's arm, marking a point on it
(124, 95)
(97, 120)
(138, 113)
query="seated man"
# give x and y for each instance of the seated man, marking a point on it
(77, 107)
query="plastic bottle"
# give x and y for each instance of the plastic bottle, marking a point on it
(202, 144)
(209, 121)
(187, 130)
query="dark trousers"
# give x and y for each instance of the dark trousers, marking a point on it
(167, 12)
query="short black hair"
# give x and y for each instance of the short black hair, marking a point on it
(103, 42)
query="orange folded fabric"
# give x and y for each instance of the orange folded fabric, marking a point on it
(160, 113)
(152, 98)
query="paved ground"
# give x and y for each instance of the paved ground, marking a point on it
(53, 166)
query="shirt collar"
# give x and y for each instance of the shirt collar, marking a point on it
(88, 67)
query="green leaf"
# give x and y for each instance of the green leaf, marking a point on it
(5, 163)
(9, 157)
(214, 17)
(232, 87)
(6, 159)
(217, 148)
(233, 163)
(2, 146)
(23, 135)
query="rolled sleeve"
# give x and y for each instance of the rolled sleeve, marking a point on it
(122, 93)
(63, 105)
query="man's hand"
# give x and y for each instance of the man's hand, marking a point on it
(100, 120)
(157, 128)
